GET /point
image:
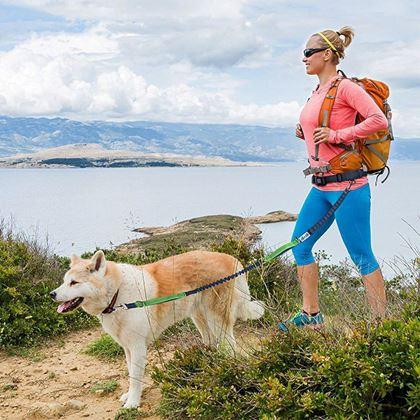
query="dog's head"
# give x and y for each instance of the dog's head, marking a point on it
(85, 283)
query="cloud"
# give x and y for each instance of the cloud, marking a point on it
(75, 75)
(136, 10)
(207, 61)
(207, 33)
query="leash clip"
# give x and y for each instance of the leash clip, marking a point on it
(122, 306)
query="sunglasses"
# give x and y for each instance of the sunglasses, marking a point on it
(310, 51)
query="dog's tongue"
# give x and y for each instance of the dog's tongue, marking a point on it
(64, 306)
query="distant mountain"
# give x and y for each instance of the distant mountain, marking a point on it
(235, 142)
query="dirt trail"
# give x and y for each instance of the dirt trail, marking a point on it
(58, 382)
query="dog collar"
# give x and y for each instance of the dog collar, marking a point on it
(110, 308)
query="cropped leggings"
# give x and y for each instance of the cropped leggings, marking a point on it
(353, 220)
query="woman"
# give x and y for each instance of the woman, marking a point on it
(321, 57)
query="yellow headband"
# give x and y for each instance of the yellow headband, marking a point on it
(328, 42)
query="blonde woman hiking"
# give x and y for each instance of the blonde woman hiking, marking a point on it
(322, 54)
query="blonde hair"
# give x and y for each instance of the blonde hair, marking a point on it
(335, 38)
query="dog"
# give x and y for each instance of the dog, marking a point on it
(99, 286)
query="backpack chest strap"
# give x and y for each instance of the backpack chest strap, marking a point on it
(310, 170)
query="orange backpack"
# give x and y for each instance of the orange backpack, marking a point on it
(370, 153)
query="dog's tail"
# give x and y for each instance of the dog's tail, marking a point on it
(250, 309)
(247, 308)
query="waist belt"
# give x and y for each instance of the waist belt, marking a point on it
(316, 169)
(345, 176)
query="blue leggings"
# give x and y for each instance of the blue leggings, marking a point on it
(353, 220)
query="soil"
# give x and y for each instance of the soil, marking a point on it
(57, 381)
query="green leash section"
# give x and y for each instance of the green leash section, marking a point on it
(279, 251)
(270, 257)
(156, 301)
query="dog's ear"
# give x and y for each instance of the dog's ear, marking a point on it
(74, 259)
(98, 263)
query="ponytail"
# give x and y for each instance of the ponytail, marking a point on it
(335, 39)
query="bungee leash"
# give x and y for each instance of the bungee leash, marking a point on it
(270, 257)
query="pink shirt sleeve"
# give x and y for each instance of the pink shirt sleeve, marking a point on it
(356, 97)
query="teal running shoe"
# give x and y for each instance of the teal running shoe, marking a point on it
(301, 319)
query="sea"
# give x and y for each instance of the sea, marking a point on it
(77, 210)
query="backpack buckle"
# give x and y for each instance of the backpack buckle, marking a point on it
(319, 180)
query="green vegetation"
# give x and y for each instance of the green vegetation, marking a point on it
(374, 373)
(27, 274)
(130, 414)
(105, 163)
(197, 233)
(104, 348)
(105, 387)
(353, 369)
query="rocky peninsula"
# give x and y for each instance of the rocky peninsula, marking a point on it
(203, 232)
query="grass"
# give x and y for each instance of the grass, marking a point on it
(9, 387)
(130, 414)
(104, 348)
(34, 354)
(107, 387)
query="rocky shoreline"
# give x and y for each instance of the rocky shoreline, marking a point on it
(87, 155)
(203, 232)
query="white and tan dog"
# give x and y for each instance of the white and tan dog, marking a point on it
(96, 284)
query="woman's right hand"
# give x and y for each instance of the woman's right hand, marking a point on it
(299, 131)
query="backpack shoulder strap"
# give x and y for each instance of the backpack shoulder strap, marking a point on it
(325, 111)
(327, 104)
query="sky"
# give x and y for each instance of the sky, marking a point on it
(207, 61)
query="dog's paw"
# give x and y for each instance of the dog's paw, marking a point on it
(124, 397)
(131, 404)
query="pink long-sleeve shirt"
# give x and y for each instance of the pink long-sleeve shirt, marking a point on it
(350, 100)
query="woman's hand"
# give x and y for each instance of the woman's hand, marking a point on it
(321, 135)
(299, 132)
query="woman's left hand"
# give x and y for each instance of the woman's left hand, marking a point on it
(321, 135)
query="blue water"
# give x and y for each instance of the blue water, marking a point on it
(80, 209)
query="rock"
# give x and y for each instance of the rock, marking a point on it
(273, 217)
(49, 410)
(73, 368)
(100, 392)
(56, 408)
(75, 405)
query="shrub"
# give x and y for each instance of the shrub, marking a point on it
(372, 374)
(27, 274)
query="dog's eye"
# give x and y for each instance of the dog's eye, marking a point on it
(72, 283)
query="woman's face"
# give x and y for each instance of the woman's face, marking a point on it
(317, 61)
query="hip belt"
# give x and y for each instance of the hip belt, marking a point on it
(345, 176)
